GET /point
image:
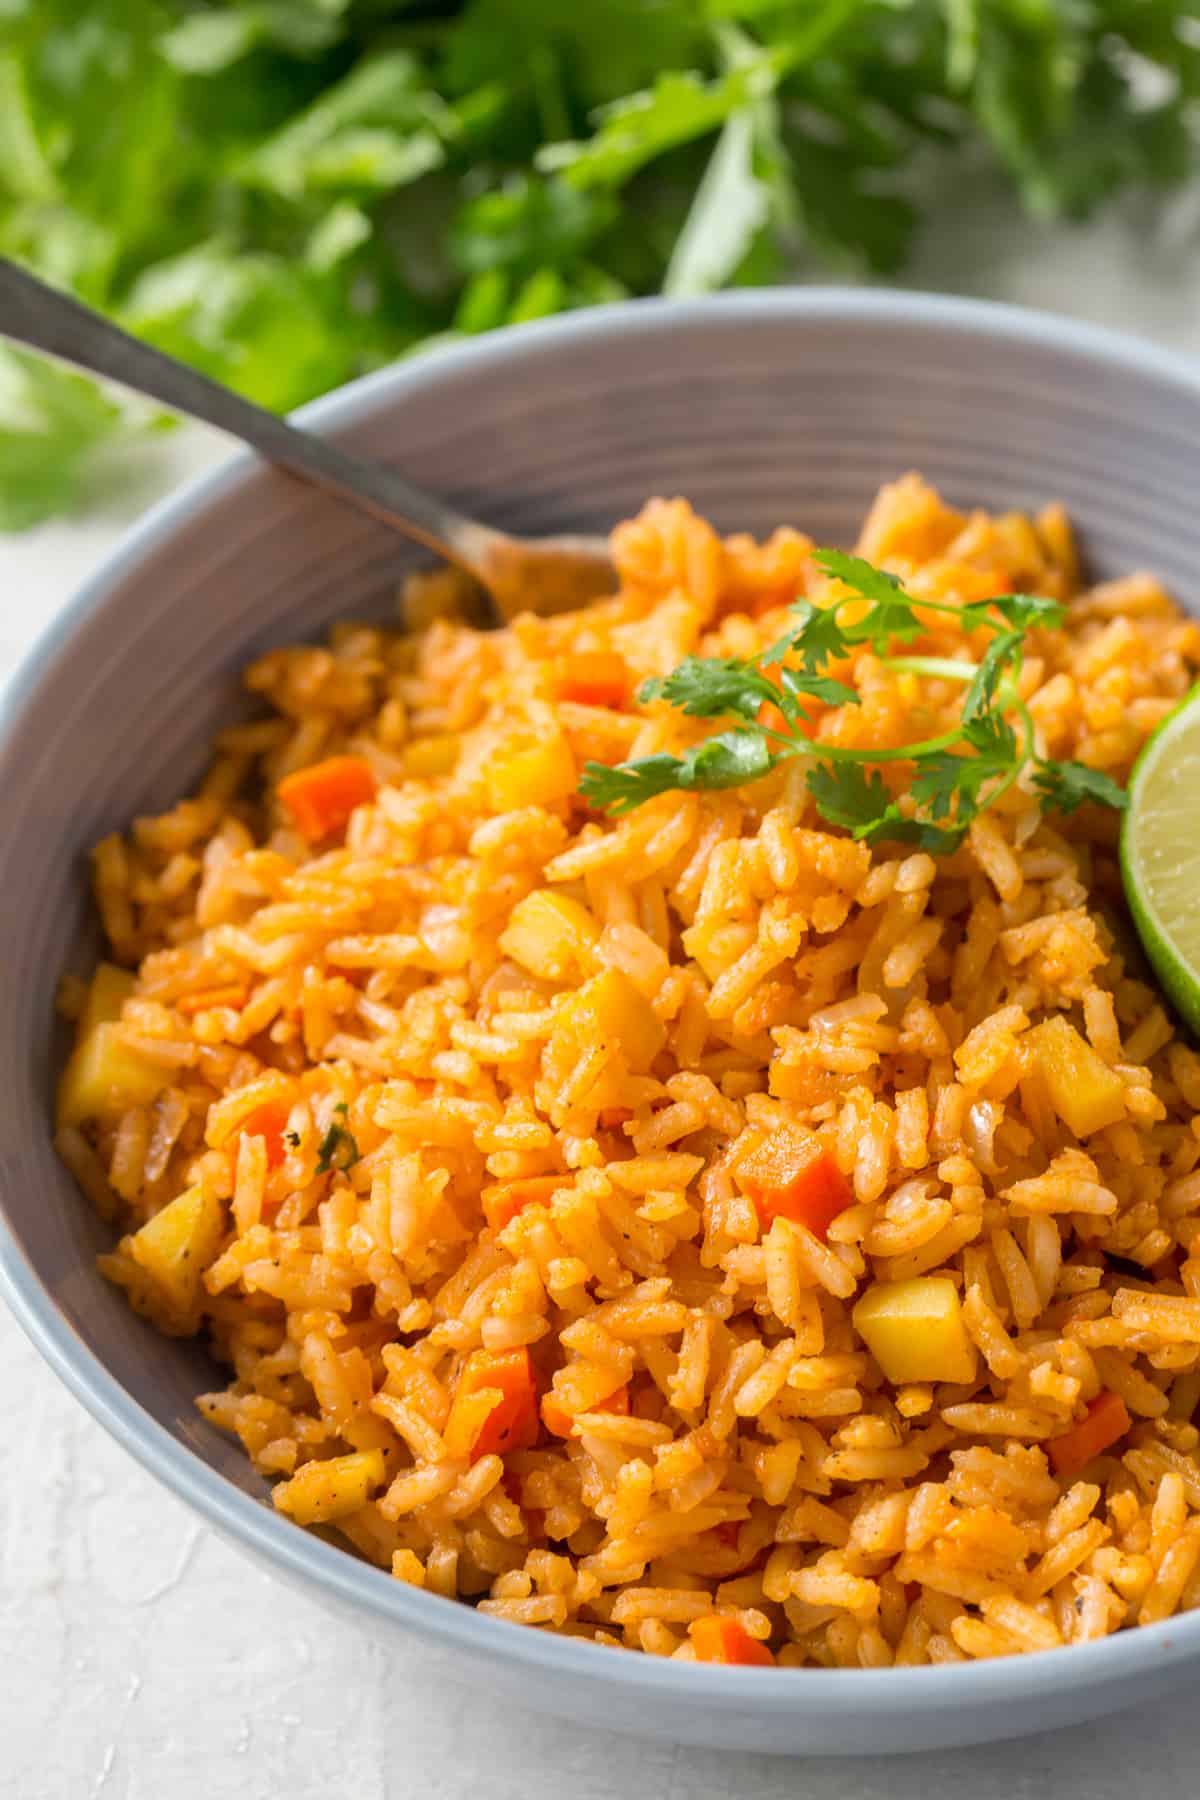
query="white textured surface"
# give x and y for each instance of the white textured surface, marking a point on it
(144, 1660)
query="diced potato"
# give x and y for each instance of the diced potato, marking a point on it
(915, 1331)
(503, 1200)
(176, 1246)
(110, 989)
(1085, 1093)
(533, 776)
(321, 1491)
(803, 1082)
(366, 1431)
(551, 935)
(102, 1076)
(627, 947)
(717, 944)
(407, 1566)
(609, 1010)
(430, 756)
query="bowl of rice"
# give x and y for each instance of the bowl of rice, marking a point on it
(713, 1252)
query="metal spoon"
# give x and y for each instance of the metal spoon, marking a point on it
(543, 575)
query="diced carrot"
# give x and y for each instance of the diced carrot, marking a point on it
(595, 678)
(717, 1639)
(559, 1421)
(512, 1422)
(1106, 1420)
(268, 1122)
(792, 1176)
(770, 599)
(235, 995)
(503, 1200)
(768, 713)
(322, 797)
(770, 716)
(556, 1419)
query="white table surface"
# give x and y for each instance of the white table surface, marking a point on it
(143, 1659)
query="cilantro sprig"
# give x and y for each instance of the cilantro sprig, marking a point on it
(955, 775)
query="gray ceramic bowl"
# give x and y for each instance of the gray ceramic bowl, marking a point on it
(761, 408)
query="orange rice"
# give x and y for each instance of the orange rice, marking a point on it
(532, 1117)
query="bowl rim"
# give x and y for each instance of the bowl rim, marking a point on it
(360, 1587)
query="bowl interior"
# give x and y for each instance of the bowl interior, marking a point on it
(761, 409)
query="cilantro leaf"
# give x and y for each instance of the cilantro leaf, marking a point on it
(951, 789)
(339, 1148)
(1021, 610)
(993, 739)
(1067, 785)
(891, 613)
(705, 687)
(731, 206)
(1001, 655)
(207, 43)
(942, 779)
(530, 223)
(939, 840)
(816, 639)
(856, 572)
(621, 787)
(847, 794)
(641, 127)
(800, 686)
(377, 128)
(727, 760)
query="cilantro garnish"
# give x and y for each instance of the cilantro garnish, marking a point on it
(339, 1149)
(1066, 785)
(955, 776)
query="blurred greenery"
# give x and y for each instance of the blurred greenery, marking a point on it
(290, 192)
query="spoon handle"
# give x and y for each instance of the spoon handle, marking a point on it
(42, 318)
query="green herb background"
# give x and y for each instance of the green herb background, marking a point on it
(290, 192)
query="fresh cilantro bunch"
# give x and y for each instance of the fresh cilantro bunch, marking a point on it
(954, 775)
(290, 192)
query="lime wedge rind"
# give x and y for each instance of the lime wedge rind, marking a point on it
(1160, 855)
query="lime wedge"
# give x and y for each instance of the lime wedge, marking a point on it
(1160, 855)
